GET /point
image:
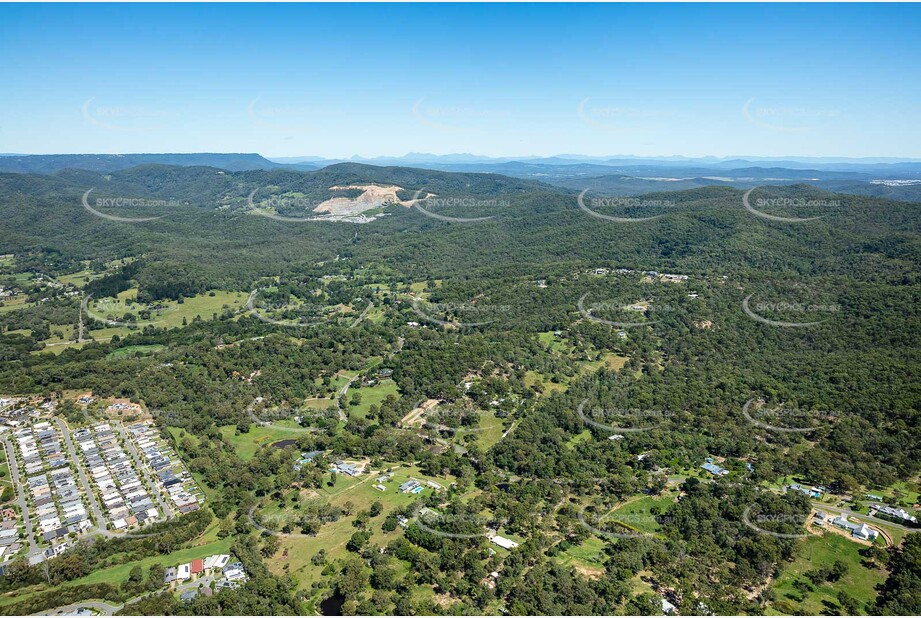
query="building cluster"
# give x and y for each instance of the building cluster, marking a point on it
(503, 542)
(225, 573)
(714, 468)
(858, 530)
(121, 486)
(412, 486)
(306, 458)
(171, 474)
(812, 492)
(898, 515)
(13, 414)
(9, 534)
(342, 467)
(57, 502)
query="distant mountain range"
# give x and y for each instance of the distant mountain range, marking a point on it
(878, 164)
(623, 175)
(47, 164)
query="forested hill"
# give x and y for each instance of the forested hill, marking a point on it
(201, 292)
(204, 213)
(46, 164)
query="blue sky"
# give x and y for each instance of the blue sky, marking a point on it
(339, 80)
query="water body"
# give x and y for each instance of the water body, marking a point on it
(332, 606)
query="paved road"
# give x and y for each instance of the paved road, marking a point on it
(88, 490)
(142, 466)
(98, 517)
(362, 316)
(342, 392)
(885, 522)
(107, 609)
(20, 494)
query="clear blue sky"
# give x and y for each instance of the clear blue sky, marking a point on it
(338, 80)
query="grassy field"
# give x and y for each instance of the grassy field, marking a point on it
(532, 377)
(904, 492)
(296, 551)
(79, 279)
(370, 396)
(202, 305)
(12, 304)
(491, 427)
(551, 341)
(637, 513)
(135, 350)
(821, 551)
(247, 444)
(610, 361)
(205, 545)
(587, 558)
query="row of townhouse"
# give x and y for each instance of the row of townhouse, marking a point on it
(57, 502)
(171, 474)
(120, 486)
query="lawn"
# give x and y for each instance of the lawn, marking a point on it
(202, 305)
(587, 558)
(491, 429)
(370, 396)
(334, 536)
(610, 361)
(247, 444)
(820, 551)
(206, 546)
(637, 513)
(135, 350)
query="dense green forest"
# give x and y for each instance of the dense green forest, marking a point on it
(529, 308)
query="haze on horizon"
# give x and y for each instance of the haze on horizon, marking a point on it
(334, 81)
